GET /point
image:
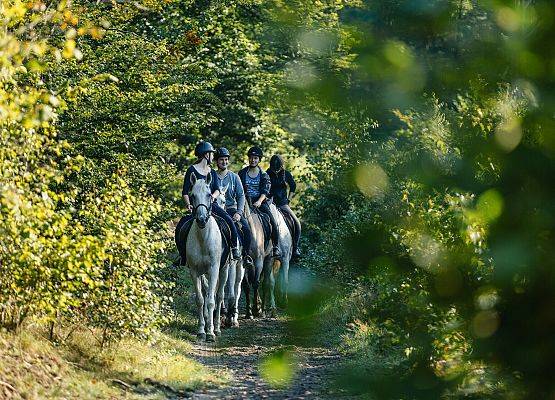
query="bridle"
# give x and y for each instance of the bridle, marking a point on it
(209, 213)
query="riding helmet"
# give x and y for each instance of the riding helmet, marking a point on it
(202, 148)
(255, 151)
(222, 152)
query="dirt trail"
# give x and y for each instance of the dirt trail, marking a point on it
(239, 352)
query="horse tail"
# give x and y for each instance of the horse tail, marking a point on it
(276, 266)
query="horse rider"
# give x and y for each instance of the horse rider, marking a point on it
(234, 197)
(281, 179)
(204, 152)
(256, 184)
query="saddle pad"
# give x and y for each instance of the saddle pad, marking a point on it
(225, 231)
(266, 225)
(226, 238)
(288, 221)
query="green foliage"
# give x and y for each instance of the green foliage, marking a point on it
(105, 102)
(426, 200)
(128, 297)
(68, 249)
(423, 132)
(40, 246)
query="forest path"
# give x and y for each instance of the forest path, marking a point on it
(239, 351)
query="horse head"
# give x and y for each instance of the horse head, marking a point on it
(201, 199)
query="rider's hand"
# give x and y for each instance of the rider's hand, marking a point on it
(236, 217)
(189, 207)
(257, 203)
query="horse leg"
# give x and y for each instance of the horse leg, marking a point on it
(259, 265)
(234, 309)
(248, 307)
(230, 293)
(210, 302)
(200, 303)
(255, 299)
(269, 286)
(222, 280)
(283, 278)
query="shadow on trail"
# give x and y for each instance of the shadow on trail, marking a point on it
(240, 351)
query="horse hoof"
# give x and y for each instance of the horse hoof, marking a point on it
(210, 337)
(218, 333)
(235, 324)
(201, 336)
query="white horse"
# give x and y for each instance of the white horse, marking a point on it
(235, 273)
(204, 252)
(278, 271)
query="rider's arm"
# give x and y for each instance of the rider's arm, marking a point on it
(240, 195)
(187, 185)
(187, 201)
(260, 200)
(187, 188)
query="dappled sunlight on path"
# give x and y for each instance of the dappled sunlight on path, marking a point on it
(239, 352)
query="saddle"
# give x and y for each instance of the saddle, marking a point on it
(225, 232)
(288, 221)
(266, 225)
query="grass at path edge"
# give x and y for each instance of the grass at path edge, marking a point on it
(32, 367)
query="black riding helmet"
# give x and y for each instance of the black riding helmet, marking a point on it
(202, 148)
(255, 151)
(222, 152)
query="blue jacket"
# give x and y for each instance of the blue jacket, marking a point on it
(234, 197)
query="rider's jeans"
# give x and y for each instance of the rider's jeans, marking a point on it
(247, 236)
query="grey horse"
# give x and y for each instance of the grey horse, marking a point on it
(277, 272)
(235, 273)
(204, 252)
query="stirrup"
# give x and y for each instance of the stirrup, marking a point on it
(248, 260)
